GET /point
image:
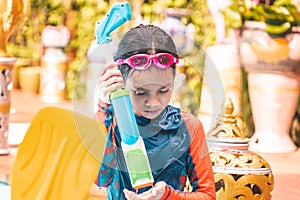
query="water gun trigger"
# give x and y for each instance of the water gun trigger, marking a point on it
(116, 16)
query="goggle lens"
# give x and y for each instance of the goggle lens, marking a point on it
(138, 61)
(165, 59)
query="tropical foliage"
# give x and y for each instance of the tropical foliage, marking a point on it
(280, 16)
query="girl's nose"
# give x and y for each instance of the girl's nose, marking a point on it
(153, 100)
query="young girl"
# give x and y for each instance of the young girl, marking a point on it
(174, 140)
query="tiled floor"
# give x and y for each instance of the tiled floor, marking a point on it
(285, 167)
(286, 170)
(25, 105)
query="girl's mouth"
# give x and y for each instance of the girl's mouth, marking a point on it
(152, 112)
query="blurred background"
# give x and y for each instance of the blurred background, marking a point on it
(74, 24)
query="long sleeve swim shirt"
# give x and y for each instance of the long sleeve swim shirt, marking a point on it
(176, 149)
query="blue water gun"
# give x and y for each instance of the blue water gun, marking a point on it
(132, 143)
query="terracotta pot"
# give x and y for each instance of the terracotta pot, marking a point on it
(29, 79)
(20, 63)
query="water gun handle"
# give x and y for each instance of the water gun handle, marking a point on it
(116, 16)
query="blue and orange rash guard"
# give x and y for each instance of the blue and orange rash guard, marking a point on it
(176, 149)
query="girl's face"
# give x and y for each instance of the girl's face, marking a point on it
(150, 90)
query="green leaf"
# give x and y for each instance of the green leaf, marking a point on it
(279, 3)
(232, 18)
(278, 29)
(295, 14)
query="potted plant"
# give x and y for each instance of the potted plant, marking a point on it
(269, 49)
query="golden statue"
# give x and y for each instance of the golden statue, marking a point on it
(11, 11)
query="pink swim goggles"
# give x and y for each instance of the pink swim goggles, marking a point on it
(143, 61)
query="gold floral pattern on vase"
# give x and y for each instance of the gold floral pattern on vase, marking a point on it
(238, 159)
(239, 173)
(245, 186)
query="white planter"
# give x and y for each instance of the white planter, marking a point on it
(273, 99)
(222, 78)
(53, 75)
(273, 66)
(55, 36)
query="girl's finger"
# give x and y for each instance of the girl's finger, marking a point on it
(110, 84)
(112, 65)
(130, 195)
(112, 80)
(111, 88)
(109, 73)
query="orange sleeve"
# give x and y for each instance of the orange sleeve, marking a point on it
(106, 123)
(101, 114)
(200, 169)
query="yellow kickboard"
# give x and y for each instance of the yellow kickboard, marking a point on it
(59, 158)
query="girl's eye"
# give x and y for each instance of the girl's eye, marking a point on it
(164, 91)
(139, 93)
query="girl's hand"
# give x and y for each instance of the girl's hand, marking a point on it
(154, 193)
(110, 79)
